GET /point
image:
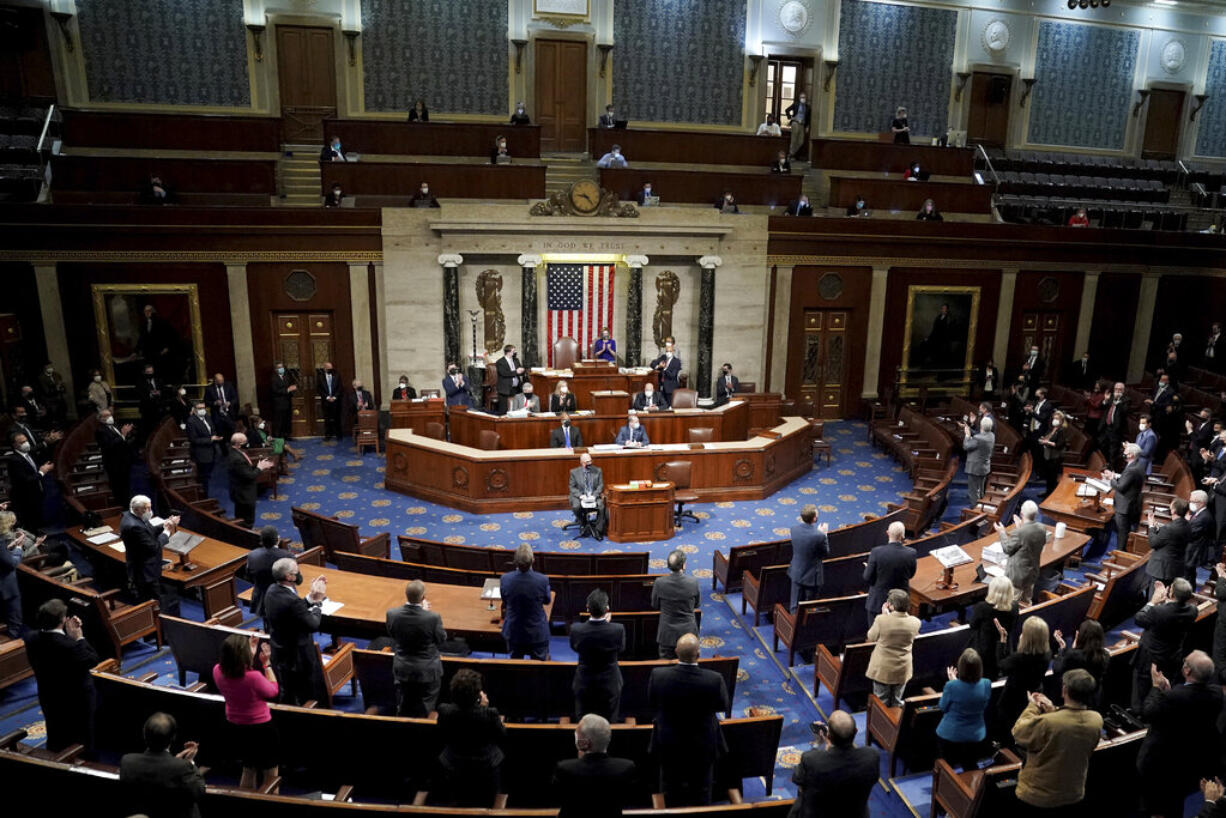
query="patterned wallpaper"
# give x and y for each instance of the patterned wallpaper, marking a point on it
(1211, 121)
(1084, 89)
(679, 60)
(409, 51)
(168, 52)
(890, 56)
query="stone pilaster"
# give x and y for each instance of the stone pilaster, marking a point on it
(1143, 326)
(46, 277)
(1004, 318)
(876, 326)
(1085, 316)
(632, 351)
(240, 329)
(451, 306)
(706, 324)
(528, 332)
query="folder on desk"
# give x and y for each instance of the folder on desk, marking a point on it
(492, 589)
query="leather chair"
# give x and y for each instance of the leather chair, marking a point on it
(436, 430)
(704, 434)
(685, 399)
(677, 472)
(366, 431)
(746, 386)
(565, 353)
(490, 440)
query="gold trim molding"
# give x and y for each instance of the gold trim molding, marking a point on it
(963, 264)
(53, 256)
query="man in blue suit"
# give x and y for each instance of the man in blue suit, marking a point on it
(525, 593)
(1147, 440)
(455, 387)
(668, 367)
(632, 435)
(809, 546)
(889, 566)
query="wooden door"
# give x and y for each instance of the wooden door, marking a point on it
(303, 341)
(561, 95)
(1044, 329)
(1162, 123)
(306, 74)
(823, 378)
(988, 123)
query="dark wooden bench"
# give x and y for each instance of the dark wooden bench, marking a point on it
(832, 622)
(336, 536)
(107, 622)
(500, 560)
(642, 628)
(82, 480)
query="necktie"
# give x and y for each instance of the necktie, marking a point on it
(567, 433)
(30, 460)
(587, 481)
(329, 377)
(1111, 414)
(207, 427)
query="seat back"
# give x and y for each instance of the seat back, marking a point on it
(565, 352)
(489, 440)
(703, 434)
(746, 386)
(436, 430)
(685, 399)
(677, 472)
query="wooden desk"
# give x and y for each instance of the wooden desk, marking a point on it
(1064, 506)
(521, 180)
(886, 157)
(765, 408)
(186, 132)
(214, 560)
(433, 138)
(928, 572)
(583, 382)
(508, 480)
(728, 422)
(640, 514)
(899, 194)
(687, 147)
(705, 186)
(196, 175)
(415, 414)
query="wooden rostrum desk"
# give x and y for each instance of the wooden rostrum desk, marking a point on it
(640, 513)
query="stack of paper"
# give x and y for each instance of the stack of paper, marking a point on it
(951, 556)
(103, 539)
(995, 554)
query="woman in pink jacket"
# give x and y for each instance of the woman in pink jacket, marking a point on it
(247, 683)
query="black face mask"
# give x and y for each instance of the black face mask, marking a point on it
(298, 579)
(453, 371)
(566, 424)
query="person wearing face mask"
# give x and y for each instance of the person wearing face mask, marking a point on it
(1114, 424)
(403, 391)
(150, 393)
(1053, 445)
(328, 387)
(98, 392)
(781, 163)
(180, 407)
(668, 368)
(332, 151)
(769, 127)
(419, 112)
(118, 446)
(858, 208)
(499, 155)
(284, 388)
(727, 204)
(613, 159)
(1033, 367)
(142, 543)
(510, 377)
(1168, 545)
(799, 114)
(222, 400)
(1127, 485)
(562, 399)
(632, 435)
(526, 401)
(1202, 537)
(1147, 442)
(901, 127)
(520, 117)
(53, 393)
(423, 197)
(1200, 435)
(455, 387)
(649, 400)
(203, 437)
(292, 623)
(357, 400)
(244, 479)
(566, 436)
(609, 118)
(800, 207)
(587, 498)
(726, 385)
(40, 446)
(26, 488)
(648, 197)
(604, 347)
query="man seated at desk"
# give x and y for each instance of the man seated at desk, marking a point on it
(587, 498)
(525, 400)
(566, 436)
(649, 400)
(632, 435)
(423, 197)
(613, 159)
(647, 197)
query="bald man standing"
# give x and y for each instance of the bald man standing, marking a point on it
(889, 566)
(838, 777)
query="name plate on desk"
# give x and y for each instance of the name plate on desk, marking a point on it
(640, 484)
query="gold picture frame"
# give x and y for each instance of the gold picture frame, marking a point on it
(919, 351)
(116, 321)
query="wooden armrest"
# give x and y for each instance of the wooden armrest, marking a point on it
(70, 754)
(657, 800)
(147, 678)
(273, 785)
(1131, 636)
(344, 792)
(109, 595)
(196, 688)
(10, 740)
(85, 582)
(311, 704)
(1097, 578)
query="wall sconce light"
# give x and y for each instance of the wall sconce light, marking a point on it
(831, 67)
(756, 60)
(1200, 103)
(519, 54)
(257, 31)
(64, 18)
(1142, 96)
(605, 50)
(1029, 83)
(351, 38)
(963, 76)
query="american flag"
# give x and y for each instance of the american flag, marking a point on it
(580, 300)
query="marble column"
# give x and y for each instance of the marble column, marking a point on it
(1085, 316)
(1143, 326)
(363, 340)
(451, 306)
(706, 325)
(632, 351)
(528, 333)
(46, 277)
(876, 326)
(240, 329)
(1004, 317)
(776, 378)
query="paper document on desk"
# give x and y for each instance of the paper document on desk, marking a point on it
(1100, 485)
(1086, 490)
(118, 546)
(492, 589)
(995, 554)
(330, 607)
(103, 539)
(951, 556)
(605, 447)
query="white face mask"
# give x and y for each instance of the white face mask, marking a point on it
(97, 379)
(109, 421)
(404, 384)
(182, 392)
(563, 390)
(201, 412)
(647, 393)
(24, 448)
(634, 424)
(260, 425)
(148, 515)
(1142, 426)
(1056, 422)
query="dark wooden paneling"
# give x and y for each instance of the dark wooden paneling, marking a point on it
(21, 296)
(521, 180)
(857, 284)
(770, 189)
(1162, 123)
(898, 194)
(561, 93)
(208, 132)
(25, 58)
(1188, 305)
(687, 147)
(1115, 315)
(433, 138)
(988, 121)
(901, 278)
(1027, 298)
(886, 157)
(130, 173)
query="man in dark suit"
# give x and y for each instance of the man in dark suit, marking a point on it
(157, 783)
(42, 446)
(1202, 536)
(142, 545)
(598, 642)
(283, 389)
(510, 377)
(1182, 744)
(609, 118)
(332, 151)
(61, 659)
(1033, 367)
(35, 409)
(328, 387)
(455, 387)
(204, 437)
(649, 400)
(26, 487)
(118, 447)
(1114, 425)
(675, 596)
(1168, 545)
(222, 400)
(668, 369)
(244, 479)
(645, 193)
(686, 737)
(632, 435)
(357, 399)
(838, 778)
(566, 436)
(1127, 486)
(809, 546)
(53, 393)
(593, 785)
(259, 566)
(292, 623)
(1214, 349)
(800, 207)
(149, 392)
(1038, 421)
(586, 494)
(1167, 619)
(417, 666)
(1080, 374)
(889, 566)
(525, 593)
(1200, 437)
(726, 385)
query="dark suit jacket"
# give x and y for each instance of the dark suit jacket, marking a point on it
(328, 154)
(351, 403)
(1166, 628)
(200, 435)
(627, 435)
(142, 544)
(244, 477)
(25, 489)
(1168, 547)
(809, 545)
(160, 785)
(407, 393)
(607, 121)
(675, 596)
(594, 786)
(1182, 740)
(563, 403)
(557, 438)
(39, 450)
(1113, 426)
(524, 597)
(783, 167)
(798, 115)
(837, 781)
(1202, 535)
(471, 737)
(671, 373)
(65, 689)
(1080, 377)
(281, 396)
(418, 634)
(259, 569)
(687, 700)
(292, 624)
(1128, 487)
(598, 645)
(889, 566)
(578, 483)
(506, 374)
(456, 395)
(213, 393)
(657, 400)
(117, 451)
(722, 393)
(150, 391)
(321, 386)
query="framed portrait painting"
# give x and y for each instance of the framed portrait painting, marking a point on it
(939, 339)
(158, 324)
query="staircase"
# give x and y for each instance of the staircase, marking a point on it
(564, 169)
(298, 175)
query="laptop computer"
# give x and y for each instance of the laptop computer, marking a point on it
(619, 123)
(651, 201)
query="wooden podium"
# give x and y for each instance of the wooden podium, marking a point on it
(610, 401)
(640, 514)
